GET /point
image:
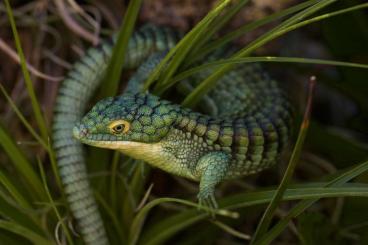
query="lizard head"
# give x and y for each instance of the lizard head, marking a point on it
(115, 122)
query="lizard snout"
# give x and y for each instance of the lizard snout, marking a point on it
(79, 131)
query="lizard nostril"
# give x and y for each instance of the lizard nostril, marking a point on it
(80, 132)
(83, 132)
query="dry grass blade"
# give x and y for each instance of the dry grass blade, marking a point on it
(73, 25)
(12, 54)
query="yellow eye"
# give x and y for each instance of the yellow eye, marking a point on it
(119, 126)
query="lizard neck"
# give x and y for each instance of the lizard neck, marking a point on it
(169, 154)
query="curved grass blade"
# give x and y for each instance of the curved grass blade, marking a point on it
(23, 119)
(112, 215)
(165, 229)
(269, 213)
(24, 232)
(47, 147)
(112, 77)
(190, 40)
(17, 196)
(230, 230)
(208, 83)
(216, 25)
(141, 215)
(247, 28)
(52, 203)
(183, 75)
(166, 68)
(303, 205)
(22, 216)
(23, 166)
(319, 18)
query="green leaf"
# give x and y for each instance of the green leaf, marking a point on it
(23, 119)
(186, 74)
(216, 44)
(163, 230)
(167, 228)
(266, 219)
(23, 166)
(45, 145)
(208, 83)
(24, 217)
(303, 205)
(110, 212)
(192, 39)
(52, 203)
(7, 183)
(141, 215)
(219, 21)
(24, 232)
(173, 59)
(112, 77)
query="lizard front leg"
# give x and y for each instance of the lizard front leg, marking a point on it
(212, 169)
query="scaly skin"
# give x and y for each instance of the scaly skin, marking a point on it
(74, 94)
(248, 131)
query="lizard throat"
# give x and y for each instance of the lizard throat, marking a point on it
(149, 152)
(152, 153)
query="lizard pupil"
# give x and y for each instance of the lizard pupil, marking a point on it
(119, 128)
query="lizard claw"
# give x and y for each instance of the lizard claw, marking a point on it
(207, 199)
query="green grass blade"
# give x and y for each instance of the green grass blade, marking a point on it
(113, 181)
(141, 215)
(168, 227)
(208, 83)
(216, 44)
(303, 205)
(52, 203)
(230, 230)
(216, 25)
(23, 166)
(47, 147)
(319, 18)
(24, 217)
(24, 232)
(269, 213)
(23, 119)
(164, 70)
(111, 213)
(27, 78)
(18, 197)
(55, 168)
(112, 77)
(186, 74)
(285, 27)
(191, 40)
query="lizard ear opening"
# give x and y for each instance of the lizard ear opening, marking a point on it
(119, 127)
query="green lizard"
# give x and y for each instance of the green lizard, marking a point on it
(245, 128)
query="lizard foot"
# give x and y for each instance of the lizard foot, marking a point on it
(206, 198)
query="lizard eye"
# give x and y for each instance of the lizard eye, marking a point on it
(119, 127)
